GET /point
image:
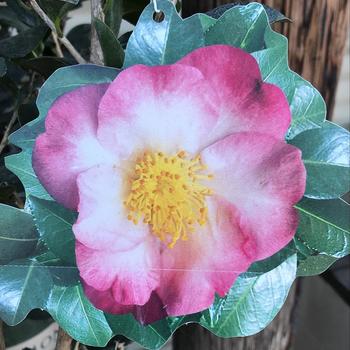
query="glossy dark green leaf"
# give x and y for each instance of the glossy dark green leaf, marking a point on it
(63, 274)
(55, 9)
(24, 285)
(23, 43)
(75, 314)
(154, 43)
(310, 265)
(79, 36)
(113, 11)
(113, 53)
(326, 155)
(24, 13)
(9, 18)
(273, 261)
(3, 67)
(272, 14)
(21, 165)
(54, 224)
(241, 26)
(324, 226)
(152, 336)
(18, 235)
(44, 65)
(252, 303)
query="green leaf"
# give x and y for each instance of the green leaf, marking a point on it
(54, 224)
(113, 53)
(272, 14)
(326, 155)
(75, 314)
(310, 265)
(152, 336)
(113, 11)
(324, 226)
(23, 43)
(61, 274)
(9, 18)
(241, 26)
(24, 285)
(18, 235)
(44, 65)
(3, 67)
(154, 43)
(21, 165)
(273, 261)
(55, 9)
(24, 13)
(252, 303)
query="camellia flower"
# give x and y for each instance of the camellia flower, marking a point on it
(181, 178)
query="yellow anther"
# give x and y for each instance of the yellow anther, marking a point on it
(167, 194)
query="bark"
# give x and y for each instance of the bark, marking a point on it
(96, 55)
(317, 37)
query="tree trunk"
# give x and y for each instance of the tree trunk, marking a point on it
(317, 38)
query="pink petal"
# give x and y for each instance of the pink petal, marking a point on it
(69, 144)
(165, 108)
(245, 102)
(208, 263)
(131, 275)
(151, 312)
(263, 177)
(102, 222)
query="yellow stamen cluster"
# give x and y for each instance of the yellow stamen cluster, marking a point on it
(166, 194)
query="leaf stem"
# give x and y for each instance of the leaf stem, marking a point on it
(57, 44)
(4, 139)
(62, 39)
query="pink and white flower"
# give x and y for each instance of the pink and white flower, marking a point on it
(181, 178)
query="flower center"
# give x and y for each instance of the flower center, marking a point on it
(166, 192)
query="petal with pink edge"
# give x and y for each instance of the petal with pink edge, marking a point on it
(208, 263)
(164, 108)
(131, 275)
(102, 222)
(151, 312)
(69, 144)
(263, 177)
(245, 102)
